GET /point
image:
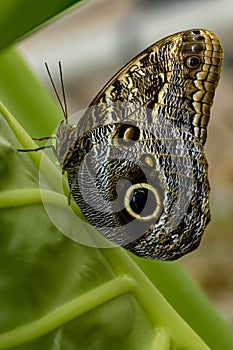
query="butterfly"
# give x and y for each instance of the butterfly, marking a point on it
(135, 162)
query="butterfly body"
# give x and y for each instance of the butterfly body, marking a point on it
(135, 162)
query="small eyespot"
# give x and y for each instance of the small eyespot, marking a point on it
(129, 132)
(125, 133)
(192, 62)
(195, 32)
(201, 38)
(147, 160)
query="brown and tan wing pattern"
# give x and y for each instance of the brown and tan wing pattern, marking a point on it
(136, 163)
(180, 72)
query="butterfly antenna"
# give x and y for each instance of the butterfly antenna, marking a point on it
(64, 110)
(63, 91)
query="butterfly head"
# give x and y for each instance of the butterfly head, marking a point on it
(65, 140)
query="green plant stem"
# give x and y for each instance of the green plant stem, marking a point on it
(148, 296)
(189, 300)
(143, 290)
(156, 307)
(48, 169)
(67, 312)
(30, 196)
(162, 340)
(117, 257)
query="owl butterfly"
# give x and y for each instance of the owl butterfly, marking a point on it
(135, 162)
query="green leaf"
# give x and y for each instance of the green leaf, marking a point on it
(59, 281)
(24, 101)
(62, 285)
(58, 294)
(19, 17)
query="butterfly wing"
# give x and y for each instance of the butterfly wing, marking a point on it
(138, 169)
(179, 73)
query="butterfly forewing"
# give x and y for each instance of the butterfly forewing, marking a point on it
(161, 78)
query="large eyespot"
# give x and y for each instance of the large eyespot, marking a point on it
(192, 62)
(143, 202)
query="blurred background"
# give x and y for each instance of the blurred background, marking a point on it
(95, 39)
